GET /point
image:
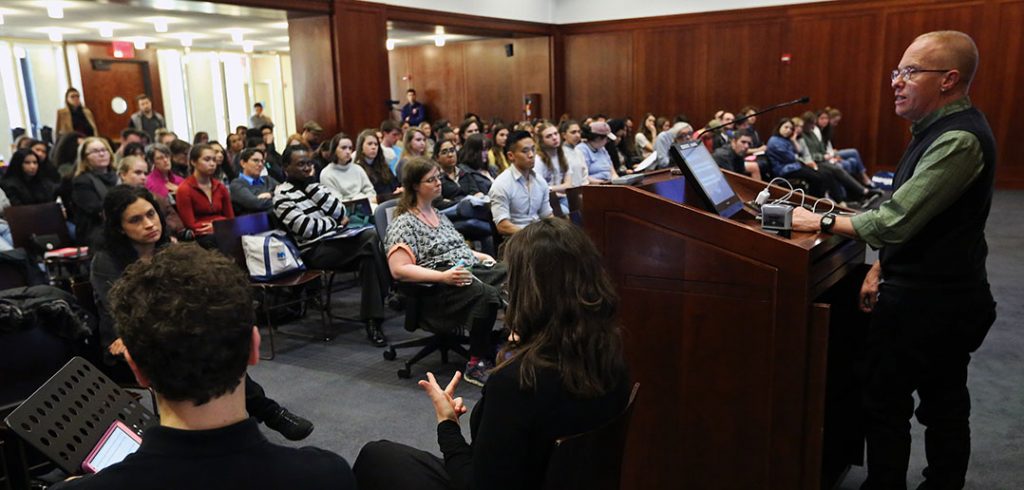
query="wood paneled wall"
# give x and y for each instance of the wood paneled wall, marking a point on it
(313, 80)
(475, 76)
(841, 55)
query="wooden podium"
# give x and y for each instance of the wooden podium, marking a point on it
(727, 328)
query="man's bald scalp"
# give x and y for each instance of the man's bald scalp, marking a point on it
(959, 50)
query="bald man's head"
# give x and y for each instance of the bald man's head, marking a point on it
(953, 49)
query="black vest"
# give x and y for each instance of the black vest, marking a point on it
(950, 250)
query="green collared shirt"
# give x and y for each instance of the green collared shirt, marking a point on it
(945, 170)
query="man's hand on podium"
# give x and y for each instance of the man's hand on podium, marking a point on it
(804, 220)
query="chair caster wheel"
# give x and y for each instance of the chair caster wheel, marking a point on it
(404, 373)
(390, 354)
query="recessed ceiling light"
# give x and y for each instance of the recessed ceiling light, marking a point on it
(164, 4)
(160, 23)
(54, 9)
(247, 47)
(279, 25)
(237, 34)
(19, 52)
(390, 44)
(439, 40)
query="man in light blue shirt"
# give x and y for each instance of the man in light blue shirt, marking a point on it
(518, 196)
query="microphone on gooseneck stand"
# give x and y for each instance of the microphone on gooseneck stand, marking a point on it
(801, 100)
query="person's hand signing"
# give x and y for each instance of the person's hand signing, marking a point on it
(446, 405)
(116, 348)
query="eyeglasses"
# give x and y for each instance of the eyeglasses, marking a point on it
(907, 74)
(98, 151)
(432, 180)
(447, 151)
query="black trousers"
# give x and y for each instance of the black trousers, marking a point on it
(387, 465)
(921, 340)
(256, 402)
(841, 185)
(363, 253)
(817, 182)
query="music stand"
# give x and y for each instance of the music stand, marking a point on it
(67, 416)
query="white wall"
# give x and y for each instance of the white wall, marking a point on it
(571, 11)
(525, 10)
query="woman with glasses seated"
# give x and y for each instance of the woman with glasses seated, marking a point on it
(201, 198)
(461, 199)
(562, 374)
(423, 246)
(94, 176)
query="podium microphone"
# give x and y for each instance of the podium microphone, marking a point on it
(801, 100)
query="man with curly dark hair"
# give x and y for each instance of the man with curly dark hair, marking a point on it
(189, 334)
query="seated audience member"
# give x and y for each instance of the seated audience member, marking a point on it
(496, 155)
(201, 138)
(267, 134)
(132, 172)
(519, 197)
(428, 131)
(593, 148)
(679, 133)
(563, 373)
(616, 145)
(201, 198)
(47, 169)
(469, 127)
(848, 158)
(251, 192)
(316, 219)
(23, 183)
(93, 178)
(161, 181)
(815, 136)
(348, 182)
(321, 158)
(371, 158)
(165, 137)
(733, 157)
(297, 139)
(554, 164)
(644, 140)
(471, 217)
(747, 125)
(472, 159)
(226, 171)
(424, 246)
(132, 149)
(128, 137)
(193, 349)
(236, 143)
(65, 153)
(414, 144)
(723, 134)
(782, 154)
(179, 158)
(390, 134)
(271, 160)
(571, 136)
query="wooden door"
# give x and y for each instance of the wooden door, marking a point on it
(108, 80)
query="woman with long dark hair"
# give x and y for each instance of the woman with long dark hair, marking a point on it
(562, 374)
(348, 182)
(472, 161)
(496, 155)
(202, 198)
(23, 182)
(369, 156)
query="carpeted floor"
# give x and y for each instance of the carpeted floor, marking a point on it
(354, 396)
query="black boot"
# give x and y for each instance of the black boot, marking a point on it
(374, 334)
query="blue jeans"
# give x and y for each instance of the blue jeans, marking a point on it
(851, 161)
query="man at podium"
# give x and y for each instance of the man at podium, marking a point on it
(928, 293)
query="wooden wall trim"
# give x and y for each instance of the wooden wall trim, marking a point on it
(307, 6)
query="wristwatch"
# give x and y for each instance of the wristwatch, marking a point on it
(827, 221)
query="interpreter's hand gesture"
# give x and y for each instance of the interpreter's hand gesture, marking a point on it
(446, 405)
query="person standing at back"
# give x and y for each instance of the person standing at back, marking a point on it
(146, 119)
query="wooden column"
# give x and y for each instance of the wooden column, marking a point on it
(361, 64)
